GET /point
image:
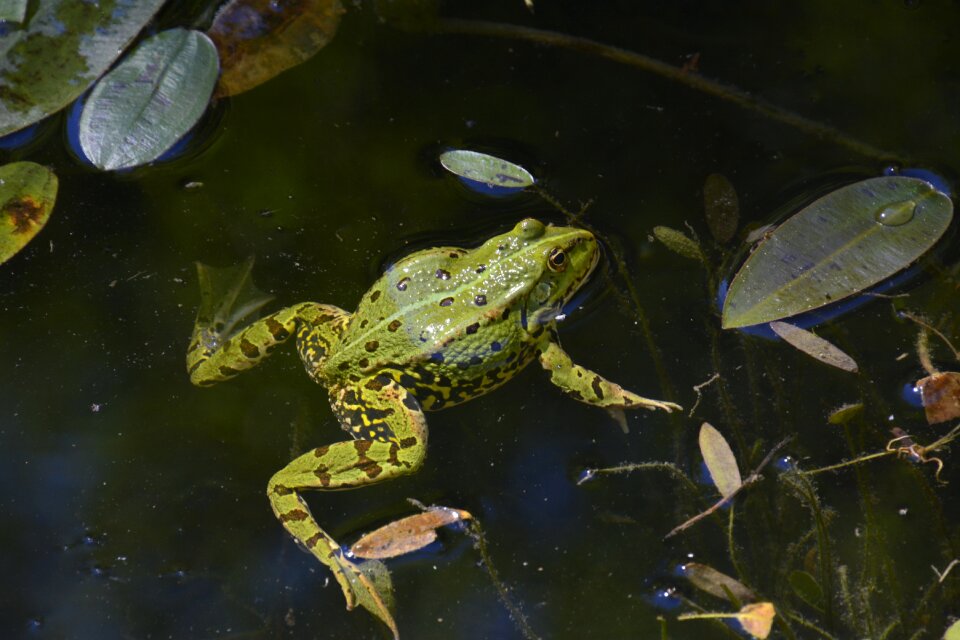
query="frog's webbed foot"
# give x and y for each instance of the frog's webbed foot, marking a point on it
(228, 297)
(592, 388)
(391, 441)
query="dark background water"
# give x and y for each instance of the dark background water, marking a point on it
(133, 503)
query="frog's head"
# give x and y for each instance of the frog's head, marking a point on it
(541, 266)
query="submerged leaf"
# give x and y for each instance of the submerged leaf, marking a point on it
(757, 619)
(27, 193)
(721, 207)
(714, 582)
(13, 10)
(259, 39)
(151, 100)
(814, 346)
(407, 534)
(940, 394)
(370, 582)
(807, 588)
(720, 460)
(840, 245)
(679, 243)
(59, 52)
(845, 413)
(486, 169)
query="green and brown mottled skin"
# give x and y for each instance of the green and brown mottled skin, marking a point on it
(440, 327)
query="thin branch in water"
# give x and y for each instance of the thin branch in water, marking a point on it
(753, 477)
(697, 388)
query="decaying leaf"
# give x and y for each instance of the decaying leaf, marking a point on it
(845, 413)
(720, 460)
(757, 619)
(679, 242)
(940, 394)
(372, 587)
(714, 582)
(27, 193)
(259, 39)
(407, 534)
(814, 346)
(838, 246)
(490, 171)
(721, 207)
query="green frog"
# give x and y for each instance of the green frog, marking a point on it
(440, 327)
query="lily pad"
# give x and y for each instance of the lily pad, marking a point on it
(27, 193)
(59, 52)
(154, 97)
(840, 245)
(259, 39)
(13, 10)
(490, 171)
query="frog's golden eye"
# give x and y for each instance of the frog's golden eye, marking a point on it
(557, 260)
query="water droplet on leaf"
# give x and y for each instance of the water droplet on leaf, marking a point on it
(897, 214)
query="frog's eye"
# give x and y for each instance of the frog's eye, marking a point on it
(557, 260)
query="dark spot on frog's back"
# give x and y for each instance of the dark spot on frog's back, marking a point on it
(446, 302)
(277, 330)
(371, 346)
(473, 328)
(375, 295)
(402, 285)
(597, 389)
(363, 362)
(480, 300)
(394, 325)
(442, 274)
(249, 349)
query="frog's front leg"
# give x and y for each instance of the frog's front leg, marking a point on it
(391, 441)
(212, 357)
(589, 387)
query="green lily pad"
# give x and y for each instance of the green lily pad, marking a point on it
(258, 39)
(486, 169)
(27, 193)
(13, 10)
(60, 51)
(840, 245)
(154, 96)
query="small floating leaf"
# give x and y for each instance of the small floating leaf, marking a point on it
(814, 346)
(27, 193)
(757, 619)
(407, 534)
(486, 169)
(714, 582)
(940, 394)
(953, 632)
(679, 243)
(372, 586)
(721, 207)
(807, 588)
(153, 97)
(259, 39)
(840, 245)
(845, 413)
(720, 460)
(64, 46)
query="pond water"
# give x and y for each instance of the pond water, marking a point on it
(133, 503)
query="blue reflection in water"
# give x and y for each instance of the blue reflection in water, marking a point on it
(19, 138)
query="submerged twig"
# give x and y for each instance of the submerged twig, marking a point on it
(753, 477)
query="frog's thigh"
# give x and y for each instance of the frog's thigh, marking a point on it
(589, 387)
(342, 465)
(209, 360)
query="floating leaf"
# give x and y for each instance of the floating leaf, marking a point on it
(154, 97)
(814, 346)
(720, 460)
(807, 588)
(757, 619)
(840, 245)
(407, 534)
(370, 582)
(486, 169)
(59, 52)
(845, 413)
(953, 632)
(716, 583)
(679, 243)
(721, 207)
(27, 193)
(940, 394)
(13, 10)
(259, 39)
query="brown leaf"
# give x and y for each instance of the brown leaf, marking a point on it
(814, 346)
(27, 193)
(406, 534)
(721, 207)
(708, 579)
(940, 394)
(258, 39)
(757, 619)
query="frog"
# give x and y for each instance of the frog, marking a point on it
(439, 327)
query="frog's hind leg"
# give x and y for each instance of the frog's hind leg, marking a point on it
(212, 357)
(391, 439)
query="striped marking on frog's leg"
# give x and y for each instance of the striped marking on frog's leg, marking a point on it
(355, 463)
(589, 387)
(212, 358)
(319, 329)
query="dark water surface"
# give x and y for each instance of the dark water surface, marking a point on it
(133, 503)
